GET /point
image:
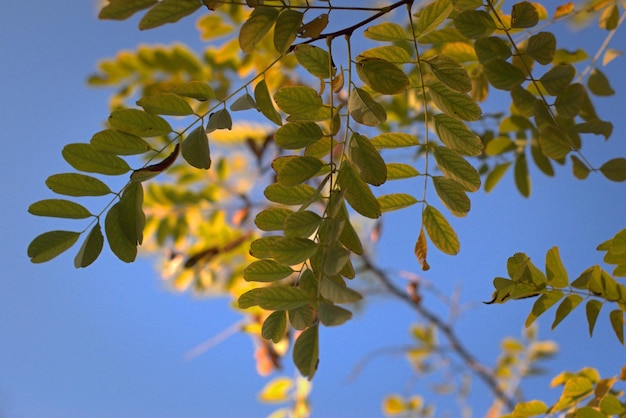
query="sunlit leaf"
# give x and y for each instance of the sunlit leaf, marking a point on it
(391, 53)
(457, 136)
(306, 352)
(475, 23)
(397, 171)
(554, 142)
(301, 224)
(266, 271)
(524, 15)
(364, 109)
(256, 27)
(86, 158)
(450, 73)
(357, 192)
(139, 122)
(165, 104)
(272, 219)
(296, 170)
(577, 386)
(432, 16)
(495, 176)
(315, 60)
(565, 56)
(195, 149)
(565, 308)
(440, 232)
(592, 310)
(119, 243)
(542, 304)
(286, 29)
(382, 76)
(168, 11)
(452, 195)
(91, 248)
(50, 244)
(72, 184)
(273, 298)
(295, 195)
(387, 31)
(452, 103)
(529, 409)
(395, 201)
(421, 250)
(455, 167)
(297, 100)
(273, 329)
(111, 141)
(394, 140)
(296, 135)
(555, 270)
(123, 9)
(265, 104)
(564, 10)
(59, 208)
(614, 169)
(609, 19)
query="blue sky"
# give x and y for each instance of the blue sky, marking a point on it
(109, 341)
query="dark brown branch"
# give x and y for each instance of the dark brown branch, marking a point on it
(456, 345)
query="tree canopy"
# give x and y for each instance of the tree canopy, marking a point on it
(263, 166)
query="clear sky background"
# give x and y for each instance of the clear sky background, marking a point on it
(109, 340)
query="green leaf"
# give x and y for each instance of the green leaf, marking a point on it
(554, 142)
(334, 289)
(130, 213)
(295, 195)
(349, 236)
(495, 176)
(610, 405)
(617, 323)
(432, 16)
(529, 409)
(523, 100)
(302, 317)
(272, 219)
(475, 23)
(382, 76)
(59, 208)
(598, 127)
(491, 48)
(265, 104)
(364, 109)
(289, 251)
(296, 135)
(542, 47)
(555, 271)
(72, 184)
(394, 140)
(332, 315)
(245, 102)
(306, 351)
(123, 9)
(565, 308)
(301, 224)
(294, 170)
(456, 168)
(386, 32)
(568, 103)
(139, 122)
(541, 161)
(452, 103)
(614, 169)
(286, 29)
(274, 326)
(581, 171)
(86, 158)
(368, 161)
(395, 201)
(558, 78)
(522, 178)
(357, 192)
(391, 53)
(119, 243)
(452, 195)
(168, 11)
(256, 27)
(545, 302)
(111, 141)
(220, 119)
(315, 60)
(165, 104)
(298, 100)
(50, 244)
(194, 89)
(195, 149)
(599, 84)
(592, 310)
(440, 232)
(609, 19)
(524, 15)
(91, 248)
(457, 136)
(397, 171)
(273, 298)
(503, 75)
(266, 271)
(450, 73)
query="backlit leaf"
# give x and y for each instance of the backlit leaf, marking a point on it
(391, 53)
(168, 11)
(503, 75)
(558, 78)
(491, 48)
(315, 60)
(592, 310)
(542, 47)
(457, 136)
(452, 195)
(529, 409)
(59, 208)
(452, 103)
(554, 142)
(266, 271)
(577, 386)
(568, 103)
(564, 10)
(296, 135)
(306, 352)
(367, 160)
(432, 16)
(522, 178)
(273, 329)
(256, 27)
(111, 141)
(50, 244)
(272, 219)
(139, 122)
(123, 9)
(72, 184)
(555, 271)
(609, 19)
(440, 232)
(382, 76)
(364, 109)
(357, 192)
(130, 213)
(397, 171)
(297, 100)
(86, 158)
(475, 23)
(265, 104)
(387, 31)
(455, 167)
(297, 169)
(581, 171)
(565, 308)
(542, 304)
(395, 201)
(119, 243)
(614, 169)
(301, 224)
(286, 29)
(421, 250)
(273, 298)
(524, 100)
(450, 73)
(195, 149)
(524, 15)
(165, 104)
(194, 89)
(289, 251)
(495, 176)
(91, 248)
(394, 140)
(295, 195)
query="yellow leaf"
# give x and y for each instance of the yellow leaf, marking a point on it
(421, 250)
